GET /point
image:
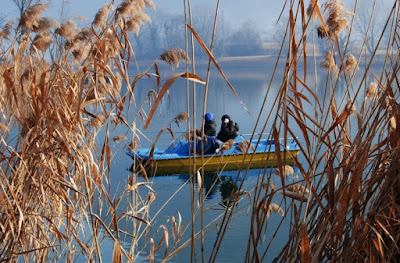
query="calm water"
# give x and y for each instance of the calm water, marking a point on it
(221, 100)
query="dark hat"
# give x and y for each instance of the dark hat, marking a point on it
(209, 116)
(226, 116)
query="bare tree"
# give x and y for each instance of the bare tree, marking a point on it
(369, 23)
(22, 5)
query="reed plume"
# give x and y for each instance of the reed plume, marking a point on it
(245, 146)
(133, 26)
(285, 170)
(298, 189)
(226, 146)
(329, 63)
(101, 16)
(6, 31)
(337, 17)
(84, 35)
(119, 138)
(30, 18)
(134, 23)
(351, 63)
(149, 4)
(42, 42)
(174, 56)
(67, 30)
(44, 24)
(129, 7)
(372, 90)
(26, 71)
(273, 208)
(181, 117)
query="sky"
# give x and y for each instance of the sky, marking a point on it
(258, 11)
(263, 13)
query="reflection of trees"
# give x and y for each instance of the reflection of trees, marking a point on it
(211, 182)
(227, 188)
(246, 40)
(165, 31)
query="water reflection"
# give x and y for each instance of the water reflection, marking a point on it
(225, 183)
(228, 188)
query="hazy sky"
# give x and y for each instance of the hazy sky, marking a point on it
(263, 13)
(235, 11)
(257, 11)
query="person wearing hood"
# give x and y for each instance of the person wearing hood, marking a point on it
(210, 126)
(229, 129)
(208, 140)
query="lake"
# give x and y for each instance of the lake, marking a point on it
(251, 89)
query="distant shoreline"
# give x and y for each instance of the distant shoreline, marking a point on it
(238, 66)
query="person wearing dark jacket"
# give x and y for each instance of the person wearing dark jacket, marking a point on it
(210, 126)
(208, 140)
(229, 129)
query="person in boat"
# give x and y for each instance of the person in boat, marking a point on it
(208, 139)
(210, 126)
(210, 144)
(229, 129)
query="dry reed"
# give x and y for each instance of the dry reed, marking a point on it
(298, 189)
(329, 63)
(372, 90)
(174, 56)
(6, 31)
(44, 24)
(55, 174)
(245, 146)
(337, 17)
(42, 42)
(351, 63)
(58, 165)
(312, 8)
(30, 18)
(67, 30)
(226, 146)
(181, 117)
(285, 170)
(273, 208)
(101, 16)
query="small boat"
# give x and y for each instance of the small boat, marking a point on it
(242, 154)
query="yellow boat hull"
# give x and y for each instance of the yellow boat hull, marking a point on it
(218, 163)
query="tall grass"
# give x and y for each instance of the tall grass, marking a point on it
(61, 96)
